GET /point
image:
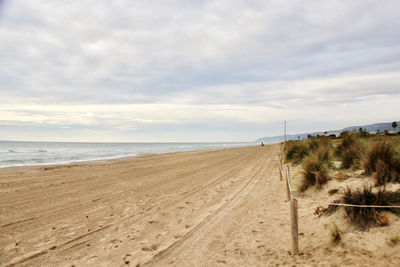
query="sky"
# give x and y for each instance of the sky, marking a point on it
(192, 70)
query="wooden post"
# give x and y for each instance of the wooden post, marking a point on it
(287, 183)
(284, 130)
(280, 167)
(294, 223)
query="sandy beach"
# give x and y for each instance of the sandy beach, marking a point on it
(202, 208)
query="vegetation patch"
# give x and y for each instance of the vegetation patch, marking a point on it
(349, 151)
(393, 240)
(381, 161)
(296, 151)
(341, 176)
(315, 172)
(323, 152)
(334, 232)
(333, 191)
(364, 217)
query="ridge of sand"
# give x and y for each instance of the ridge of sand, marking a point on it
(202, 208)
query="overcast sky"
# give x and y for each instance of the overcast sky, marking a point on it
(194, 70)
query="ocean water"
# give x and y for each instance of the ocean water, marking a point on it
(13, 153)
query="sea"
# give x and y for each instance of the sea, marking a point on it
(18, 153)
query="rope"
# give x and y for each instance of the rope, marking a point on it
(346, 205)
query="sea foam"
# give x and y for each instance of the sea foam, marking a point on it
(13, 153)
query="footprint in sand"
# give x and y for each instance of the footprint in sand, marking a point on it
(127, 258)
(114, 243)
(151, 248)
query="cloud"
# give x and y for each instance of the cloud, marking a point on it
(128, 65)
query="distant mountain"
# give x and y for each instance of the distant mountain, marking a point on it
(372, 128)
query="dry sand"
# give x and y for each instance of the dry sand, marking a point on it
(204, 208)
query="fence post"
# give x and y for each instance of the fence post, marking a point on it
(294, 222)
(280, 167)
(287, 183)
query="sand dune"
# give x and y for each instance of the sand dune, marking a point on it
(205, 208)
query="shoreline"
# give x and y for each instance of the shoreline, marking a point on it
(115, 158)
(135, 154)
(70, 162)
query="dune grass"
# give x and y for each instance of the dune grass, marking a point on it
(333, 191)
(350, 151)
(376, 155)
(393, 240)
(382, 162)
(316, 165)
(315, 172)
(334, 232)
(296, 151)
(365, 217)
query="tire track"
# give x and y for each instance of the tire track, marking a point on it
(210, 220)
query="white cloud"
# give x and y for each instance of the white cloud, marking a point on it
(133, 65)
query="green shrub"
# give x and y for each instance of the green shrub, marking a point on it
(393, 196)
(313, 144)
(351, 157)
(349, 151)
(347, 140)
(380, 151)
(364, 217)
(383, 173)
(323, 153)
(381, 161)
(316, 165)
(315, 172)
(296, 151)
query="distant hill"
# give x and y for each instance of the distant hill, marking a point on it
(374, 127)
(369, 128)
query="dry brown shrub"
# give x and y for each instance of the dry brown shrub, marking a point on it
(384, 220)
(341, 176)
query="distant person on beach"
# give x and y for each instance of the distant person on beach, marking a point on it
(262, 143)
